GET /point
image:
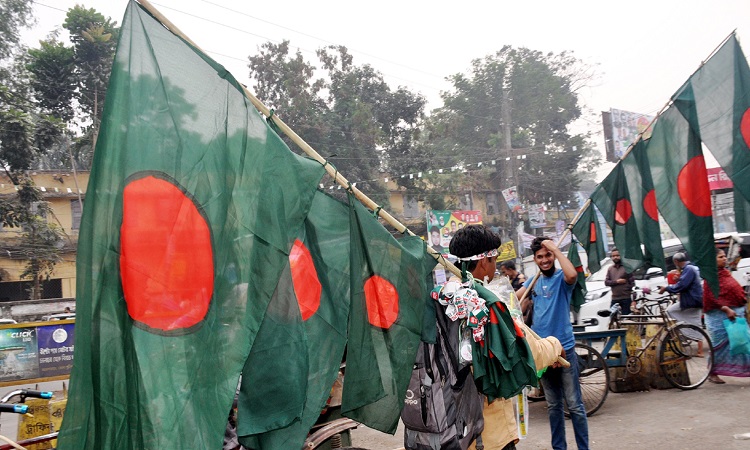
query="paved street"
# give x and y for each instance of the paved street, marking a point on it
(706, 418)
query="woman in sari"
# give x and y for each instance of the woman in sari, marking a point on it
(729, 305)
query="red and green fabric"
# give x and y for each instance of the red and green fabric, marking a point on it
(184, 237)
(503, 363)
(390, 283)
(578, 297)
(295, 359)
(721, 90)
(612, 198)
(645, 212)
(588, 232)
(678, 170)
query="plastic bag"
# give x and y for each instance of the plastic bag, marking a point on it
(739, 336)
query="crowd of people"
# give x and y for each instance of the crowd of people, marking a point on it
(548, 303)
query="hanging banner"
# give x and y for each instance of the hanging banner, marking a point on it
(537, 219)
(507, 251)
(511, 198)
(624, 129)
(36, 351)
(443, 224)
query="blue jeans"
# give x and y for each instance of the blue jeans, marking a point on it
(562, 385)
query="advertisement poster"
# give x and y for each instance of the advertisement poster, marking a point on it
(18, 354)
(507, 251)
(443, 224)
(626, 126)
(537, 218)
(511, 198)
(56, 343)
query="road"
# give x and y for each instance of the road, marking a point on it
(705, 418)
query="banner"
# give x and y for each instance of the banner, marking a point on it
(537, 218)
(511, 198)
(36, 351)
(443, 224)
(626, 126)
(507, 251)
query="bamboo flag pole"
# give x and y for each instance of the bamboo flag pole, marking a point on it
(335, 174)
(338, 178)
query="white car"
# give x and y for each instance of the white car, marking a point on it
(599, 296)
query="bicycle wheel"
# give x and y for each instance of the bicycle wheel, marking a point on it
(593, 376)
(678, 356)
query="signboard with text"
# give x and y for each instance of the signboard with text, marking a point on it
(36, 351)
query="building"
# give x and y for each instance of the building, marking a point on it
(64, 193)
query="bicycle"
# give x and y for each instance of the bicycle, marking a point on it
(20, 408)
(678, 356)
(593, 376)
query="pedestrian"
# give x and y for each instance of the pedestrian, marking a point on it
(730, 304)
(478, 245)
(552, 294)
(621, 283)
(508, 268)
(690, 288)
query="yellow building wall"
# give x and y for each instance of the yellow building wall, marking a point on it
(58, 189)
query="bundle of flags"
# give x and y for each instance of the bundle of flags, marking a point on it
(206, 252)
(666, 173)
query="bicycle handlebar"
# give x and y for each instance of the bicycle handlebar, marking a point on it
(18, 408)
(23, 393)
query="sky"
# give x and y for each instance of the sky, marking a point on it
(641, 51)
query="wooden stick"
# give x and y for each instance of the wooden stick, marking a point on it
(335, 174)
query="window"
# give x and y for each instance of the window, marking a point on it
(75, 214)
(411, 207)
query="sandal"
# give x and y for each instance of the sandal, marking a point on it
(715, 379)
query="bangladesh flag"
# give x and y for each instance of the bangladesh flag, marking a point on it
(678, 170)
(295, 359)
(588, 233)
(390, 283)
(612, 198)
(579, 291)
(342, 261)
(184, 236)
(645, 212)
(721, 90)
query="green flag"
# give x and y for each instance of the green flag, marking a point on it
(579, 291)
(681, 182)
(721, 89)
(295, 359)
(612, 198)
(587, 231)
(184, 236)
(389, 286)
(645, 212)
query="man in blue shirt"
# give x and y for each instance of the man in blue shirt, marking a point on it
(551, 297)
(690, 287)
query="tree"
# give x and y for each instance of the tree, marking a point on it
(351, 116)
(14, 15)
(516, 103)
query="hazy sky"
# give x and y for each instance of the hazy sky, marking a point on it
(642, 50)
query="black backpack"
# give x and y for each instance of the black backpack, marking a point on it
(442, 408)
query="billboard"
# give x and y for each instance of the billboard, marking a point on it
(443, 224)
(621, 129)
(38, 351)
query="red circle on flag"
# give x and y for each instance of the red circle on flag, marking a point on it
(592, 231)
(649, 205)
(307, 286)
(745, 127)
(166, 257)
(692, 186)
(381, 297)
(623, 211)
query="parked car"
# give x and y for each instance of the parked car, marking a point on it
(599, 296)
(7, 322)
(60, 316)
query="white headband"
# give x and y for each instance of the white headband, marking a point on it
(487, 254)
